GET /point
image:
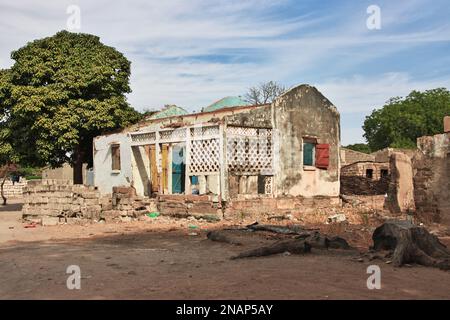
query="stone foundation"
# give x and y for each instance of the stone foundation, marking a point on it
(14, 189)
(59, 201)
(259, 207)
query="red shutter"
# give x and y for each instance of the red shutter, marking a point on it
(322, 155)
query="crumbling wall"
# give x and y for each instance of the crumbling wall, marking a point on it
(349, 156)
(266, 207)
(355, 180)
(401, 189)
(301, 113)
(60, 201)
(431, 166)
(14, 189)
(203, 206)
(256, 118)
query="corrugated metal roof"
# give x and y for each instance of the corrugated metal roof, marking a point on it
(226, 102)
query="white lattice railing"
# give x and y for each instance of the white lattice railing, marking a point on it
(249, 150)
(204, 156)
(145, 137)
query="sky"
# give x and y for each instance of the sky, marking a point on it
(192, 53)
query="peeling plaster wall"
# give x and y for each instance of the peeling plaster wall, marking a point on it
(431, 165)
(141, 170)
(259, 118)
(104, 178)
(304, 112)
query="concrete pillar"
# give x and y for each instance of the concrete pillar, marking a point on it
(401, 188)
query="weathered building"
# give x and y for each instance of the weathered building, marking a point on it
(365, 178)
(349, 156)
(210, 161)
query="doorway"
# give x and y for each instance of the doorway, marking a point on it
(178, 168)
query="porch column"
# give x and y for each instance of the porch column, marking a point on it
(223, 175)
(187, 180)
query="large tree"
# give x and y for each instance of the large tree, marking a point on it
(61, 92)
(360, 147)
(402, 120)
(264, 93)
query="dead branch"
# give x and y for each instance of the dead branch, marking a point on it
(294, 229)
(296, 246)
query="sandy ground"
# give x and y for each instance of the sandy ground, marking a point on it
(171, 260)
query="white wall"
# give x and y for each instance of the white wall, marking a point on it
(104, 177)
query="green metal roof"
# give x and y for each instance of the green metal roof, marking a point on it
(226, 103)
(169, 111)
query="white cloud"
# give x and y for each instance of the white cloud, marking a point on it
(363, 94)
(173, 46)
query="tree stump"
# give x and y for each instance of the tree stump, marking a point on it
(411, 244)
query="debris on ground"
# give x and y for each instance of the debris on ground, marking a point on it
(30, 225)
(336, 218)
(153, 214)
(295, 239)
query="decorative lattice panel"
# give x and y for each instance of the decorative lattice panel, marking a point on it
(205, 131)
(249, 150)
(144, 137)
(248, 132)
(204, 156)
(177, 134)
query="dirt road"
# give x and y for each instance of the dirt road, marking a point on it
(117, 263)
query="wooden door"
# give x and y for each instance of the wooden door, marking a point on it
(165, 163)
(153, 170)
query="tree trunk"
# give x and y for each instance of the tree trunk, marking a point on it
(78, 165)
(296, 246)
(3, 183)
(411, 244)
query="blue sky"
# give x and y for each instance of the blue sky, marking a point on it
(192, 53)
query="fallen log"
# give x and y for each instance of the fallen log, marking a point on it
(410, 243)
(295, 246)
(314, 238)
(320, 241)
(294, 229)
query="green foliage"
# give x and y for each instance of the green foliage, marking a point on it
(402, 120)
(60, 93)
(360, 147)
(29, 172)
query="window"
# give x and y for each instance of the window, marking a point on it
(322, 156)
(309, 148)
(369, 173)
(115, 155)
(384, 173)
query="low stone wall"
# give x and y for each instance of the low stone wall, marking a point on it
(266, 207)
(59, 201)
(201, 206)
(125, 205)
(14, 189)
